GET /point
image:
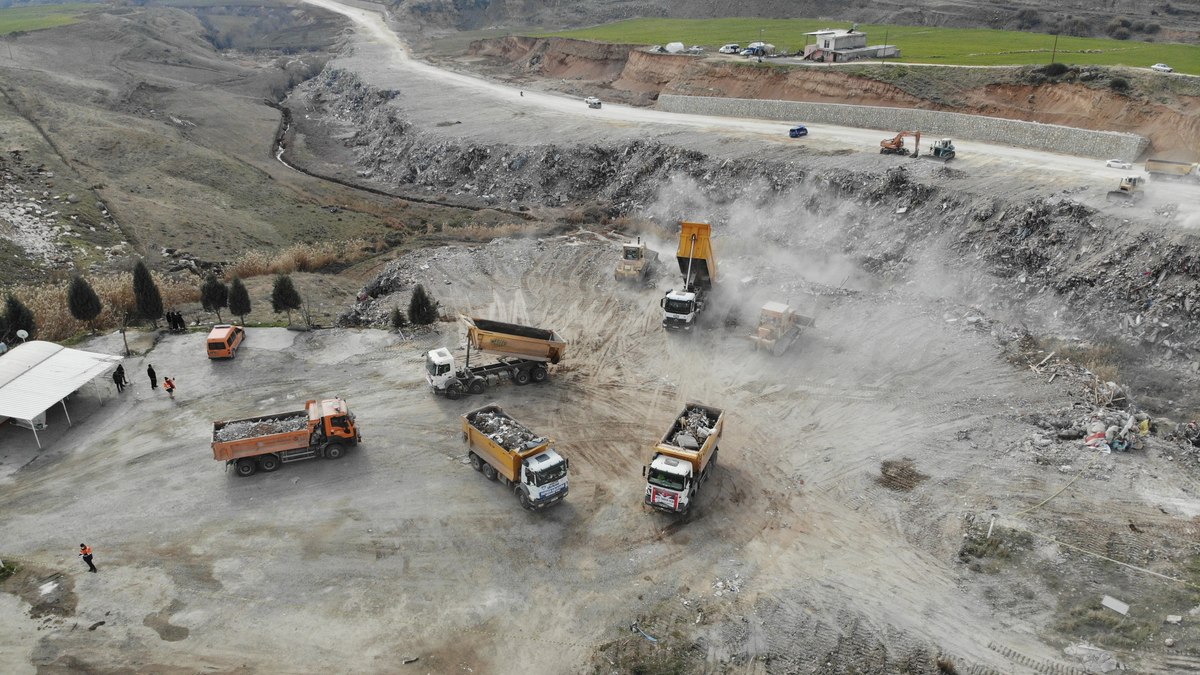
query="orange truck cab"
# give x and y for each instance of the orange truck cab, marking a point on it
(223, 341)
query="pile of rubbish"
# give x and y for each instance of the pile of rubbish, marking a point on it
(693, 428)
(236, 431)
(505, 431)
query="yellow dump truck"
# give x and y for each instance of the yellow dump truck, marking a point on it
(503, 449)
(523, 354)
(1171, 169)
(778, 327)
(323, 429)
(636, 263)
(698, 265)
(684, 458)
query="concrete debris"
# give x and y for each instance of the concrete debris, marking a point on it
(1094, 659)
(694, 427)
(505, 431)
(1115, 605)
(1174, 619)
(236, 431)
(723, 586)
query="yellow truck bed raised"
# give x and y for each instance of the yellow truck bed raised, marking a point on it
(510, 339)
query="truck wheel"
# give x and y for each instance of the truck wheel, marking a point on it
(539, 373)
(476, 463)
(245, 467)
(268, 463)
(477, 386)
(522, 377)
(489, 472)
(454, 391)
(524, 499)
(334, 451)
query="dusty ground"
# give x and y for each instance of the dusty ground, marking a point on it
(845, 530)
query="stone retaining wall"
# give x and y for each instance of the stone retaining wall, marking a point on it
(931, 123)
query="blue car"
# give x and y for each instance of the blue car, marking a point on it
(798, 131)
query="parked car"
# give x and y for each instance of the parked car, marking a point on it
(592, 102)
(798, 131)
(1162, 68)
(695, 49)
(1118, 164)
(731, 48)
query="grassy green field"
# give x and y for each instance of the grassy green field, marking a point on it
(949, 46)
(38, 17)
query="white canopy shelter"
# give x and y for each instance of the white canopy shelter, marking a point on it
(35, 375)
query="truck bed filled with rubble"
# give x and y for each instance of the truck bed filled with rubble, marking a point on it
(693, 427)
(223, 432)
(504, 430)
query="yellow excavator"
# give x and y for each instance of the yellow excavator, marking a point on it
(895, 146)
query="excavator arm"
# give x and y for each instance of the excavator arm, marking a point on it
(895, 145)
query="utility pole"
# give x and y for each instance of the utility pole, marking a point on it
(881, 51)
(1054, 52)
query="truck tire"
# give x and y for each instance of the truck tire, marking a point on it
(524, 499)
(454, 391)
(476, 463)
(334, 451)
(521, 377)
(268, 463)
(477, 386)
(489, 472)
(539, 373)
(246, 467)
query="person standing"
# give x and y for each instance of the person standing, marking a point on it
(121, 372)
(85, 552)
(118, 380)
(153, 376)
(169, 386)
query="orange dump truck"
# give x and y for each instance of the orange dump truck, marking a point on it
(323, 429)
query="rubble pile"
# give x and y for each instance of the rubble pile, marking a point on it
(505, 431)
(693, 428)
(236, 431)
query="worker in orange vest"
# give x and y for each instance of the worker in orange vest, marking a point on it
(85, 552)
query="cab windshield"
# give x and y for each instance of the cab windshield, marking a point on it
(435, 369)
(632, 254)
(665, 480)
(678, 306)
(548, 475)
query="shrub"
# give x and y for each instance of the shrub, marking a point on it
(422, 308)
(147, 299)
(1121, 34)
(214, 295)
(239, 299)
(1054, 69)
(397, 319)
(284, 297)
(1119, 84)
(17, 317)
(82, 300)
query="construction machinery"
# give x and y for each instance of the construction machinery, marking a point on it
(523, 354)
(778, 327)
(1129, 191)
(895, 145)
(699, 268)
(323, 429)
(636, 263)
(942, 149)
(684, 458)
(503, 449)
(1172, 170)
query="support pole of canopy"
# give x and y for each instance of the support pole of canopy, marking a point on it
(64, 405)
(35, 436)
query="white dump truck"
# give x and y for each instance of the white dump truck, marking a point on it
(503, 449)
(683, 459)
(523, 355)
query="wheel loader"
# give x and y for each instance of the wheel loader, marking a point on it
(636, 263)
(778, 327)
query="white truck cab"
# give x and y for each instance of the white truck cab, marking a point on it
(544, 477)
(439, 368)
(679, 309)
(669, 484)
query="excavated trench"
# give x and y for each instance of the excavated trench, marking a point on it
(1051, 266)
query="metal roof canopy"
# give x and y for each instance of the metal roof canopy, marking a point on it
(36, 375)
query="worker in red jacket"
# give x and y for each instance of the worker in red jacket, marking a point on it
(85, 552)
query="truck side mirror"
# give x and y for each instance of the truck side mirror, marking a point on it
(643, 470)
(566, 464)
(662, 302)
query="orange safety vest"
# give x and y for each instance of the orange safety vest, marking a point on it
(86, 550)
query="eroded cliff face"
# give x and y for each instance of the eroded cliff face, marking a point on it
(632, 75)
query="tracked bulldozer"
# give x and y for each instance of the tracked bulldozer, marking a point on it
(1129, 191)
